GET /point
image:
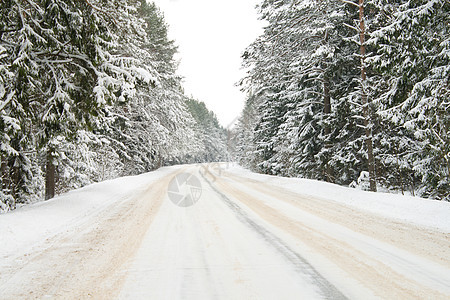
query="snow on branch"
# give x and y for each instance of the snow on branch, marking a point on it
(350, 2)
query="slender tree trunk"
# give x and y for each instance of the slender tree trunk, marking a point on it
(327, 129)
(365, 101)
(326, 113)
(50, 176)
(4, 173)
(326, 101)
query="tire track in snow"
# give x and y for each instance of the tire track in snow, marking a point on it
(406, 236)
(85, 262)
(376, 275)
(302, 266)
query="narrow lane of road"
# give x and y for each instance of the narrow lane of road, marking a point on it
(416, 267)
(213, 250)
(85, 260)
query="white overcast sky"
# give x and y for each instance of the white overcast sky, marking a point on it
(211, 36)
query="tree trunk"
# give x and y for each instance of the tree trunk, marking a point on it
(327, 130)
(4, 173)
(365, 101)
(50, 176)
(326, 113)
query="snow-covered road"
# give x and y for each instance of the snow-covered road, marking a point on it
(235, 236)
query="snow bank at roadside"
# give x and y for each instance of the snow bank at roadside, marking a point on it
(414, 210)
(31, 224)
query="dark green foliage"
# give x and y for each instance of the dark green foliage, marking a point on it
(307, 56)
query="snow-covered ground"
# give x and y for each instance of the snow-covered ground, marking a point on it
(419, 211)
(30, 225)
(249, 236)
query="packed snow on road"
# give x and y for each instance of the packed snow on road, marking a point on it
(219, 231)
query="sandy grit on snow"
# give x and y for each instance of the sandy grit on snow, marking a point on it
(249, 236)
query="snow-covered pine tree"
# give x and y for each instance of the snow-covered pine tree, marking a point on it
(209, 132)
(244, 148)
(65, 71)
(153, 127)
(413, 60)
(316, 43)
(302, 67)
(15, 88)
(81, 69)
(70, 38)
(360, 99)
(268, 60)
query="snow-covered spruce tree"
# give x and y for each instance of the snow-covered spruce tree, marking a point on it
(154, 127)
(65, 71)
(352, 148)
(268, 60)
(174, 139)
(244, 149)
(209, 132)
(68, 60)
(413, 62)
(302, 67)
(15, 146)
(365, 100)
(316, 42)
(83, 73)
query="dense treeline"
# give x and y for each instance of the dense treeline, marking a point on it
(89, 91)
(329, 79)
(208, 133)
